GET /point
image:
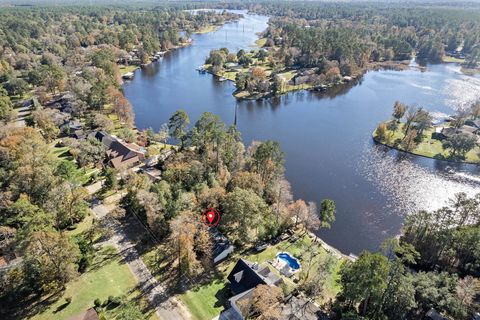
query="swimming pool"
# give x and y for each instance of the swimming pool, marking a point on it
(291, 261)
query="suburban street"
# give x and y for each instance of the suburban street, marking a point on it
(166, 306)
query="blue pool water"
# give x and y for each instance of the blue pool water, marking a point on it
(291, 261)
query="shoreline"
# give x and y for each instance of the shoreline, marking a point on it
(244, 95)
(391, 146)
(204, 30)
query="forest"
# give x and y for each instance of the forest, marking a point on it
(317, 45)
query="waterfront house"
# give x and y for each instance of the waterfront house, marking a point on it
(232, 66)
(120, 154)
(246, 276)
(473, 123)
(447, 132)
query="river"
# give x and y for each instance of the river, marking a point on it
(326, 137)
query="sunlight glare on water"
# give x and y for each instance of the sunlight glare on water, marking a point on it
(410, 186)
(462, 91)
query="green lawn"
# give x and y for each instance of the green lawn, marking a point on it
(207, 300)
(431, 148)
(261, 42)
(82, 226)
(127, 69)
(207, 29)
(83, 174)
(453, 59)
(108, 276)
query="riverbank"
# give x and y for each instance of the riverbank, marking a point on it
(126, 70)
(279, 80)
(464, 69)
(429, 147)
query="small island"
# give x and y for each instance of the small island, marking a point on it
(414, 130)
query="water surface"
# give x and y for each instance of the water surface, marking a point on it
(326, 138)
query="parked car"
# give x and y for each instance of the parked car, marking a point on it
(275, 240)
(293, 239)
(261, 246)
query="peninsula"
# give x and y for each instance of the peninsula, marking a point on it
(414, 130)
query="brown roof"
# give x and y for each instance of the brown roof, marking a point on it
(122, 155)
(90, 314)
(3, 261)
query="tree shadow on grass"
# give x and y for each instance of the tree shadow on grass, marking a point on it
(61, 307)
(103, 257)
(222, 296)
(30, 306)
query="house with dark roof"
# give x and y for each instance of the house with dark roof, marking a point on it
(246, 276)
(473, 123)
(447, 132)
(432, 314)
(73, 128)
(103, 137)
(221, 246)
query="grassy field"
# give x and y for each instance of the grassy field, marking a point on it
(108, 276)
(208, 299)
(207, 29)
(83, 174)
(261, 42)
(82, 226)
(430, 148)
(127, 69)
(453, 59)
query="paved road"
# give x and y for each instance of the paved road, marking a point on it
(167, 307)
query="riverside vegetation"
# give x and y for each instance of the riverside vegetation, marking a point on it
(453, 138)
(46, 224)
(318, 46)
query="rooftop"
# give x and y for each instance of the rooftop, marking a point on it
(247, 275)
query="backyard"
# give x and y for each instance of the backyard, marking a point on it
(428, 147)
(107, 276)
(208, 299)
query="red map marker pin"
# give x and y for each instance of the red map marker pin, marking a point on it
(211, 217)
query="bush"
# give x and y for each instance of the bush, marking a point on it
(113, 302)
(97, 303)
